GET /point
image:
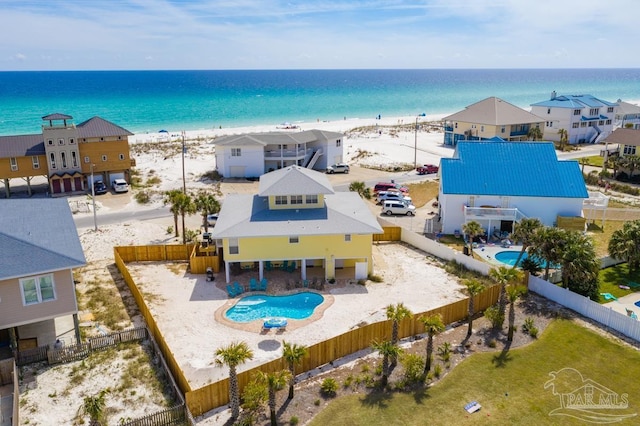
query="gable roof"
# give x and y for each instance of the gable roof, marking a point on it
(524, 169)
(283, 138)
(626, 108)
(494, 111)
(29, 246)
(21, 146)
(294, 180)
(629, 137)
(574, 101)
(245, 215)
(99, 127)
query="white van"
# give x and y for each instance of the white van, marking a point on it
(398, 207)
(120, 185)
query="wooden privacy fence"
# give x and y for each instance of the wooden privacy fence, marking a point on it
(391, 233)
(151, 253)
(171, 416)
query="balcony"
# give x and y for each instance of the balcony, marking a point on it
(285, 153)
(492, 213)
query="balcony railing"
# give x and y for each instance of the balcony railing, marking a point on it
(493, 213)
(286, 153)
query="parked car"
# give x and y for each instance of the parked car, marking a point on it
(99, 187)
(120, 185)
(427, 169)
(392, 196)
(338, 168)
(212, 219)
(398, 207)
(385, 186)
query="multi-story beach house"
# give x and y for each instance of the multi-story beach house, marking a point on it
(499, 183)
(586, 118)
(627, 115)
(488, 119)
(37, 291)
(67, 155)
(297, 221)
(253, 154)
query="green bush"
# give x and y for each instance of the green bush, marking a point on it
(374, 278)
(444, 351)
(493, 343)
(528, 325)
(437, 370)
(378, 370)
(329, 386)
(169, 230)
(413, 367)
(294, 420)
(142, 197)
(348, 381)
(533, 332)
(493, 314)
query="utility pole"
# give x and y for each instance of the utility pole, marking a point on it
(93, 199)
(184, 180)
(415, 147)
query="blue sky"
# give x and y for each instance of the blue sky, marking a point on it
(296, 34)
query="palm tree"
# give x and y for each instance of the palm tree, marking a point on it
(274, 382)
(170, 197)
(625, 244)
(504, 276)
(233, 355)
(93, 406)
(472, 229)
(473, 288)
(388, 350)
(185, 206)
(523, 232)
(293, 354)
(564, 138)
(544, 246)
(579, 263)
(432, 325)
(534, 133)
(206, 204)
(632, 162)
(396, 313)
(361, 189)
(513, 293)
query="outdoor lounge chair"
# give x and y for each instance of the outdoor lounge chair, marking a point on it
(253, 285)
(285, 265)
(230, 291)
(263, 284)
(608, 296)
(291, 267)
(276, 322)
(239, 288)
(268, 266)
(631, 314)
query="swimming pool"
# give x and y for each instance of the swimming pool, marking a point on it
(294, 306)
(509, 257)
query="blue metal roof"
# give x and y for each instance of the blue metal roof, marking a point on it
(524, 169)
(575, 101)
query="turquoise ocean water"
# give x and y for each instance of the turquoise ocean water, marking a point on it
(147, 101)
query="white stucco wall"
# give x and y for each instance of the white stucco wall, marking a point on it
(251, 158)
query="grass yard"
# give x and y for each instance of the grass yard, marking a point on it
(423, 192)
(611, 278)
(601, 236)
(594, 160)
(508, 385)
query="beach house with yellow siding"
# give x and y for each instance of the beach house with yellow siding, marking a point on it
(297, 220)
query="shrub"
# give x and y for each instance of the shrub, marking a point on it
(378, 370)
(294, 420)
(316, 402)
(444, 351)
(528, 325)
(413, 367)
(374, 278)
(142, 197)
(329, 386)
(493, 343)
(169, 229)
(492, 313)
(533, 332)
(437, 370)
(153, 180)
(348, 381)
(365, 368)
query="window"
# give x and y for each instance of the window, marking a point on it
(294, 240)
(594, 111)
(583, 124)
(576, 112)
(281, 200)
(456, 125)
(63, 158)
(549, 124)
(235, 152)
(104, 158)
(14, 163)
(101, 139)
(72, 141)
(311, 199)
(37, 289)
(610, 109)
(50, 142)
(503, 129)
(87, 159)
(282, 147)
(296, 199)
(74, 159)
(347, 237)
(629, 150)
(575, 125)
(121, 156)
(233, 246)
(338, 143)
(482, 128)
(473, 126)
(601, 123)
(608, 121)
(60, 141)
(52, 157)
(36, 162)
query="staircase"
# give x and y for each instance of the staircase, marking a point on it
(314, 159)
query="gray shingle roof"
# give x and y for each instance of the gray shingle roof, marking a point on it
(21, 146)
(629, 137)
(30, 245)
(626, 108)
(244, 215)
(57, 116)
(283, 138)
(494, 111)
(294, 180)
(99, 127)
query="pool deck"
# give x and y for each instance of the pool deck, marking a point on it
(488, 252)
(623, 303)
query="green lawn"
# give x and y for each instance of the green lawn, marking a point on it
(611, 278)
(509, 386)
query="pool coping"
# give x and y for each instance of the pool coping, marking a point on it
(255, 326)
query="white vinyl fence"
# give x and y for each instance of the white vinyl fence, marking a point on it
(583, 305)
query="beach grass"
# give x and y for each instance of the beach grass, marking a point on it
(601, 236)
(510, 385)
(423, 192)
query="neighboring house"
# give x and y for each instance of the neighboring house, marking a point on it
(297, 217)
(627, 142)
(487, 119)
(40, 248)
(586, 118)
(499, 183)
(627, 115)
(253, 154)
(67, 154)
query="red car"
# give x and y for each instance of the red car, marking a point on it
(427, 169)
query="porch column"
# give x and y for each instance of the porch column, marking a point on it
(260, 273)
(7, 190)
(226, 271)
(304, 269)
(76, 327)
(29, 185)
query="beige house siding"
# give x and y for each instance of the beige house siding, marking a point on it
(13, 311)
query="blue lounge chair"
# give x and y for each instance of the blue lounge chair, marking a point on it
(285, 265)
(268, 266)
(253, 285)
(239, 288)
(631, 314)
(275, 322)
(230, 291)
(291, 267)
(608, 296)
(263, 284)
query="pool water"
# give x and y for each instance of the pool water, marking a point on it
(294, 306)
(509, 257)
